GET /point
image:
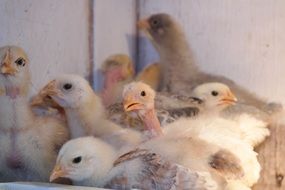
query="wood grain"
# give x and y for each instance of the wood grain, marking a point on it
(54, 34)
(271, 157)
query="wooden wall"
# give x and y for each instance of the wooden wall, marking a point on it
(54, 34)
(114, 31)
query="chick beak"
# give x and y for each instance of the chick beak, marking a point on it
(6, 67)
(229, 99)
(143, 24)
(36, 101)
(57, 172)
(51, 89)
(131, 104)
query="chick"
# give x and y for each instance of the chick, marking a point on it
(118, 70)
(85, 112)
(29, 144)
(218, 99)
(43, 104)
(215, 97)
(91, 162)
(168, 109)
(214, 130)
(179, 72)
(150, 75)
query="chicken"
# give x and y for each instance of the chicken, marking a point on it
(29, 144)
(167, 115)
(118, 70)
(91, 162)
(85, 112)
(252, 122)
(179, 72)
(168, 109)
(139, 98)
(150, 75)
(43, 104)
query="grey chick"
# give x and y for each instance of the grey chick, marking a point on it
(179, 72)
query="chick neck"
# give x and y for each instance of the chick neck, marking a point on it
(15, 111)
(151, 122)
(86, 118)
(178, 65)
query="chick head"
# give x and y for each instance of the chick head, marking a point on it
(79, 159)
(162, 30)
(14, 68)
(215, 95)
(138, 96)
(68, 91)
(119, 64)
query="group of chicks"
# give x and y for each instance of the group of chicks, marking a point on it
(170, 127)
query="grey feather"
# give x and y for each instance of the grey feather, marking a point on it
(156, 173)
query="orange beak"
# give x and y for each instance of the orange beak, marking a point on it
(6, 67)
(228, 99)
(130, 104)
(43, 99)
(143, 24)
(51, 89)
(37, 100)
(57, 172)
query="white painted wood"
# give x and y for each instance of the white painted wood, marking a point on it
(243, 40)
(114, 31)
(54, 34)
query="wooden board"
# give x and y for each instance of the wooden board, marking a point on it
(114, 32)
(54, 34)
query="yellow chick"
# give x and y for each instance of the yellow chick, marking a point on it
(150, 75)
(29, 144)
(118, 70)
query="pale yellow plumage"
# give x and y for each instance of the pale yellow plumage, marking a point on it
(29, 144)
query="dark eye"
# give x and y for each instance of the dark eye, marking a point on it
(77, 160)
(67, 86)
(48, 97)
(154, 22)
(215, 93)
(143, 93)
(20, 62)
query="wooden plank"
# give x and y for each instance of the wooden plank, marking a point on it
(54, 34)
(271, 157)
(114, 32)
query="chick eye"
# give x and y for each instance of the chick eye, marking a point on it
(143, 93)
(67, 86)
(154, 22)
(21, 62)
(215, 93)
(77, 160)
